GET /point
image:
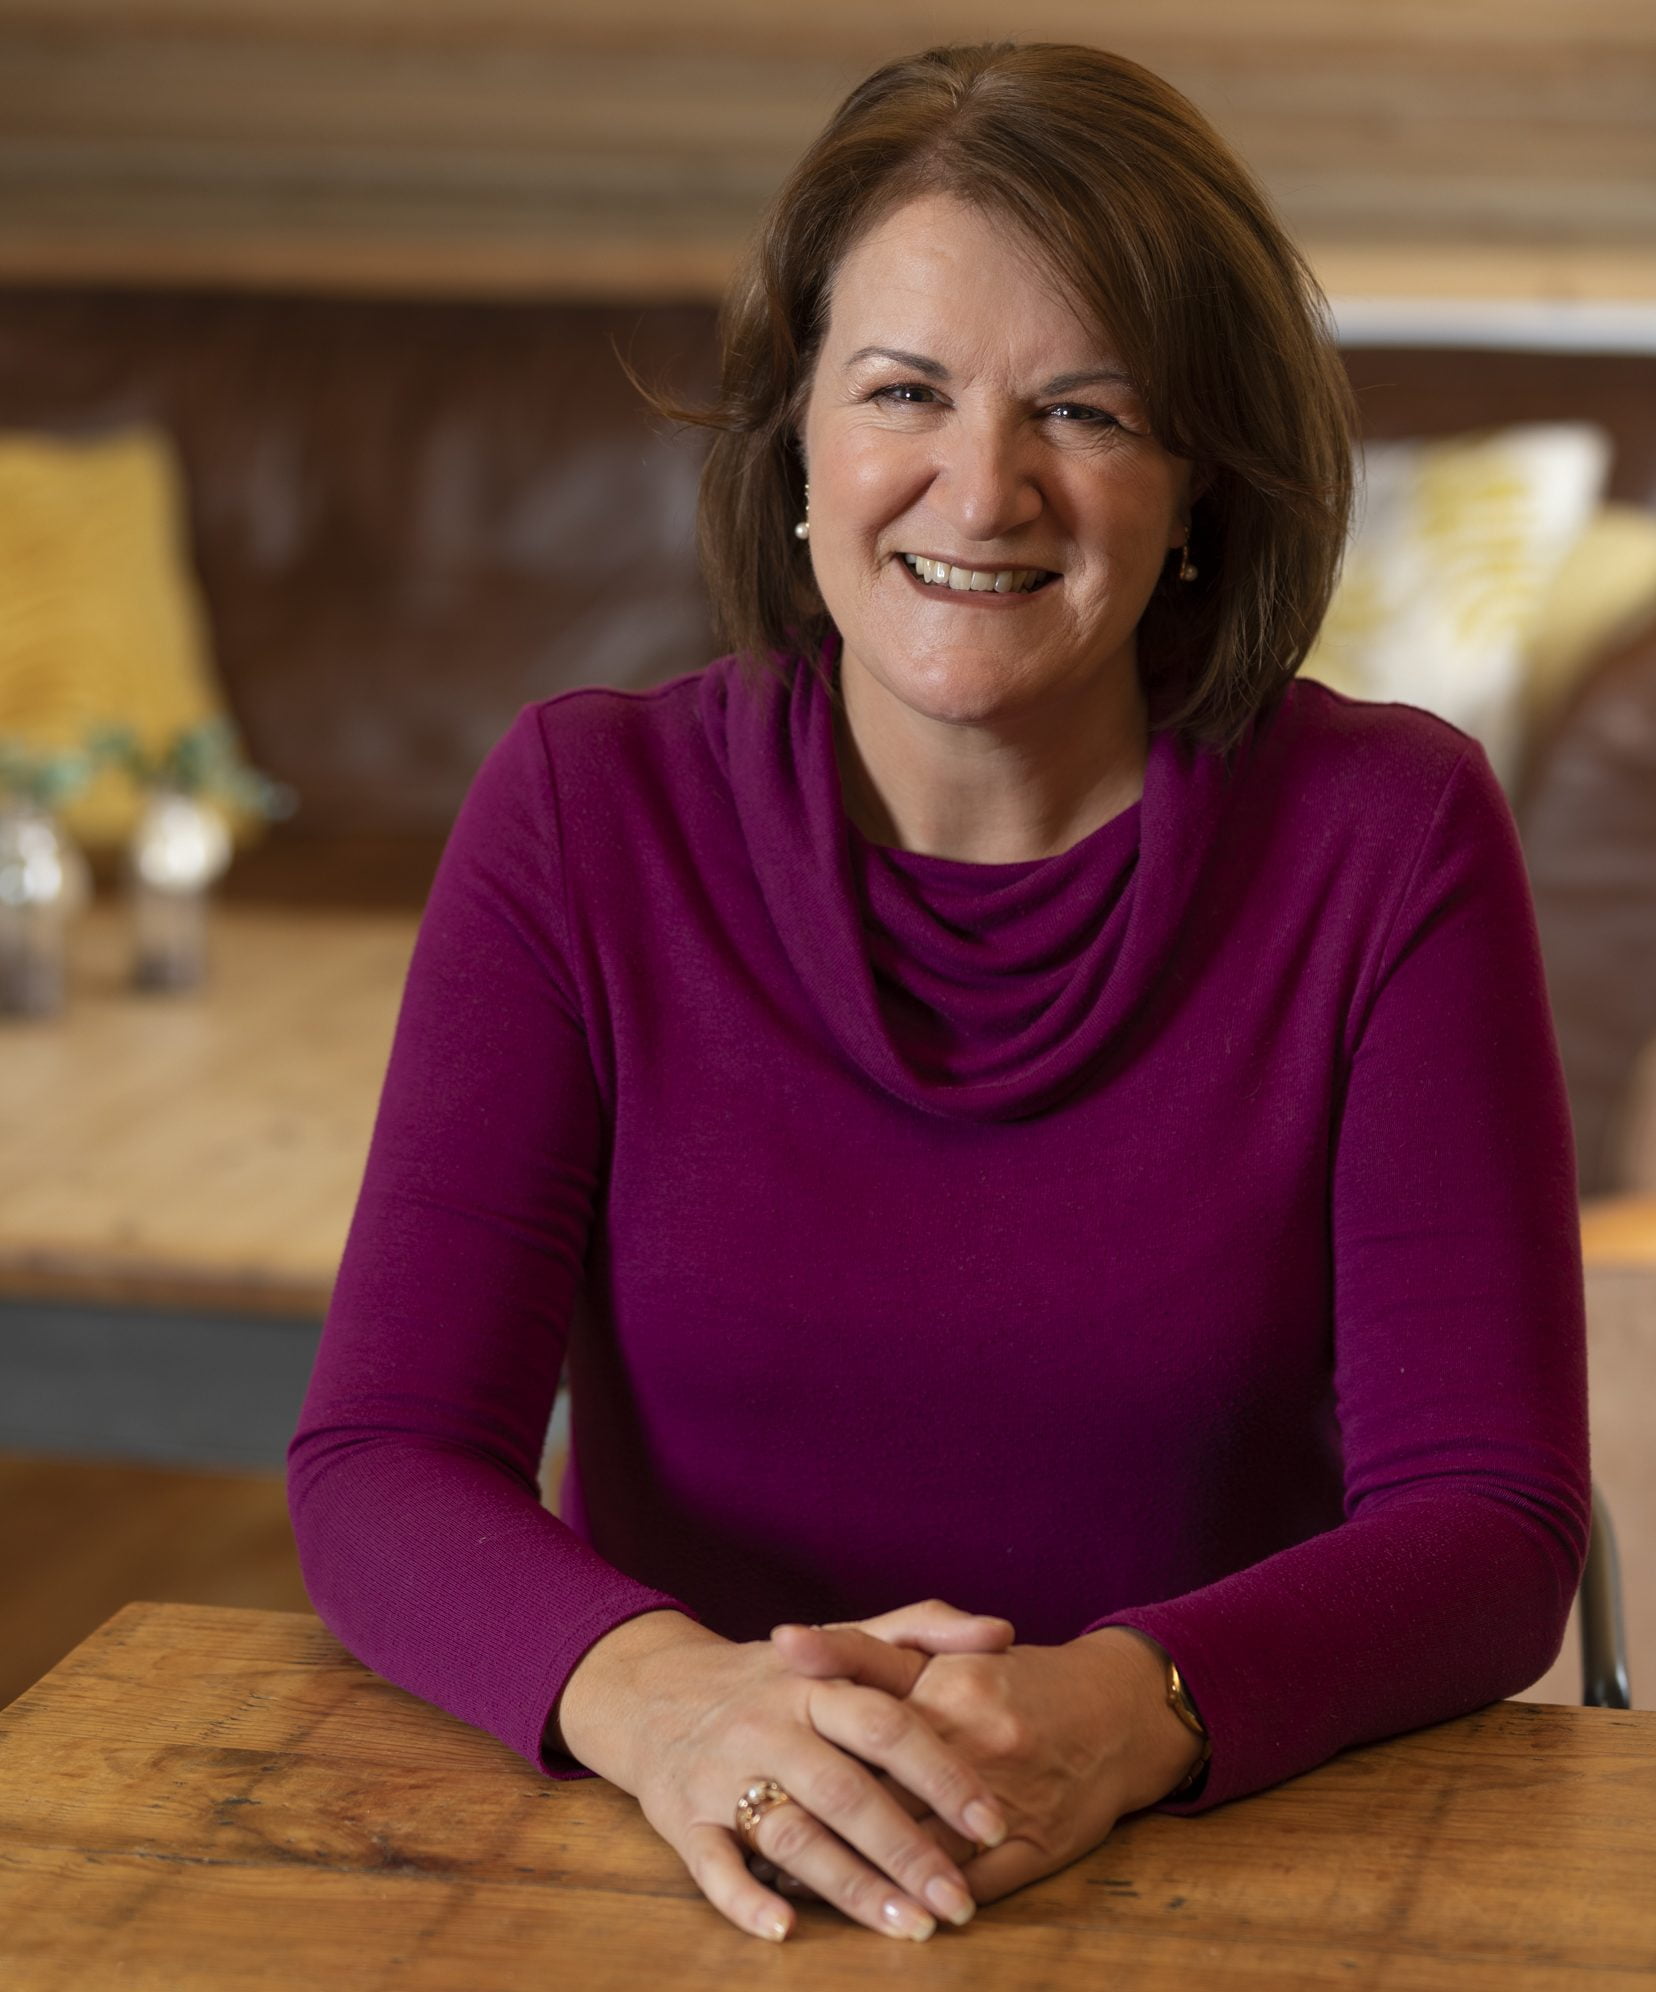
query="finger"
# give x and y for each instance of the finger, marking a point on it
(847, 1653)
(958, 1848)
(800, 1845)
(767, 1873)
(892, 1736)
(935, 1627)
(987, 1881)
(955, 1845)
(719, 1871)
(1014, 1864)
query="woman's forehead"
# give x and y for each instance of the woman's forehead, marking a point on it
(937, 273)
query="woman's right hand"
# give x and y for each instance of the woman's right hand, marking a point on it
(686, 1721)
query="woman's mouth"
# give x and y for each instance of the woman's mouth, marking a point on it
(945, 575)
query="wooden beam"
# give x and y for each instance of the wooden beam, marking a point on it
(625, 149)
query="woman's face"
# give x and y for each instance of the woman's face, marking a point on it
(961, 412)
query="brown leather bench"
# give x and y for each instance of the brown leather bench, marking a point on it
(410, 518)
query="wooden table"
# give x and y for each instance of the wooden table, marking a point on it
(206, 1798)
(200, 1151)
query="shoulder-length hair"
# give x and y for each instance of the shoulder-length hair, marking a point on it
(1167, 243)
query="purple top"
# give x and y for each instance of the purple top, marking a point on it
(1179, 1232)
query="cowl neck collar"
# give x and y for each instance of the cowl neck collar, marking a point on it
(978, 992)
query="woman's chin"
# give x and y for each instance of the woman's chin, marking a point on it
(962, 688)
(953, 703)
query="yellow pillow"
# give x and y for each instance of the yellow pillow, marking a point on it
(101, 622)
(1458, 543)
(1602, 596)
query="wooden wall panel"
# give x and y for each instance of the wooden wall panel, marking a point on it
(604, 147)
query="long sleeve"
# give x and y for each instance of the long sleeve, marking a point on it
(1212, 1179)
(412, 1476)
(1458, 1348)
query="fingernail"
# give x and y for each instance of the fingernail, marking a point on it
(984, 1823)
(949, 1899)
(906, 1920)
(773, 1929)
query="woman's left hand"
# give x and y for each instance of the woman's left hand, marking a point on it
(1069, 1738)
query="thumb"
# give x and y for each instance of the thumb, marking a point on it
(889, 1651)
(935, 1627)
(845, 1652)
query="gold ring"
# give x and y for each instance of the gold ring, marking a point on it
(762, 1796)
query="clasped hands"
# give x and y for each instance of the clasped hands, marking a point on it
(1068, 1738)
(933, 1763)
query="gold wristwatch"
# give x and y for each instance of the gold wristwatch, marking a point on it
(1178, 1700)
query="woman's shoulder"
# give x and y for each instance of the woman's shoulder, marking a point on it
(595, 746)
(596, 754)
(614, 721)
(1379, 758)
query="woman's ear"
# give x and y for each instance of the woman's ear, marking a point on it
(1199, 479)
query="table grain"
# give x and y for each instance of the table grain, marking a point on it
(201, 1797)
(200, 1149)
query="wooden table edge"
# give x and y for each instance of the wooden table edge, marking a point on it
(115, 1281)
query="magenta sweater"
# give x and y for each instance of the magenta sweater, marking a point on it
(1179, 1232)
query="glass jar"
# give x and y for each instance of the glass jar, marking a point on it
(44, 883)
(180, 846)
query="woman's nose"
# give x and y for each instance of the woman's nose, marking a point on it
(986, 485)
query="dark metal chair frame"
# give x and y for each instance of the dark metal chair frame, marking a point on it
(1604, 1682)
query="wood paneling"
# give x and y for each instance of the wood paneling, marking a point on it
(81, 1538)
(624, 148)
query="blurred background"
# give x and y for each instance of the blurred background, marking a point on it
(317, 461)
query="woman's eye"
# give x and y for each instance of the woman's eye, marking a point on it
(913, 392)
(1078, 411)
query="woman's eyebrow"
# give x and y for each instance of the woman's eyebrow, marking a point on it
(1093, 377)
(935, 370)
(932, 369)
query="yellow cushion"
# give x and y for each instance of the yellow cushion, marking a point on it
(1459, 548)
(1602, 596)
(101, 622)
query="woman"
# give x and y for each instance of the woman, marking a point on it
(1003, 1095)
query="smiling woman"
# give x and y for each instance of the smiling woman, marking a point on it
(1001, 1093)
(1148, 253)
(985, 541)
(1017, 309)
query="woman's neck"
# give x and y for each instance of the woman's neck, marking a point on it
(1025, 789)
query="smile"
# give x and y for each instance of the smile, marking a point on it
(977, 580)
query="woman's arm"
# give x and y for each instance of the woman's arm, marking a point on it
(413, 1474)
(1458, 1348)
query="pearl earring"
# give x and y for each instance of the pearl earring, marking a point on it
(803, 530)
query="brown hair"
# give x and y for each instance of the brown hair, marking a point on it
(1165, 239)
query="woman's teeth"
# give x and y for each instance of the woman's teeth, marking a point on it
(1000, 581)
